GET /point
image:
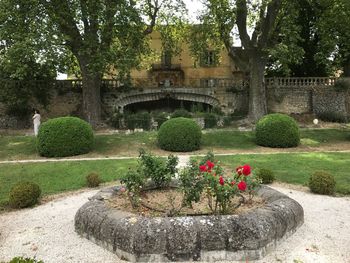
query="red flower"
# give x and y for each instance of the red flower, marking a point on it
(239, 170)
(203, 168)
(246, 169)
(210, 165)
(233, 183)
(242, 185)
(221, 180)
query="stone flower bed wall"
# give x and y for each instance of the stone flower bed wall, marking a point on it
(247, 236)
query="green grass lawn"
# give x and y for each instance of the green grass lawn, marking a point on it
(55, 177)
(23, 147)
(296, 168)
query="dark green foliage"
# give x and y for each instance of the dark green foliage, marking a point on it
(266, 175)
(210, 120)
(156, 169)
(278, 131)
(180, 135)
(342, 85)
(160, 118)
(332, 116)
(217, 111)
(322, 183)
(140, 120)
(191, 185)
(227, 121)
(181, 113)
(25, 260)
(93, 180)
(24, 194)
(134, 181)
(65, 136)
(150, 167)
(116, 119)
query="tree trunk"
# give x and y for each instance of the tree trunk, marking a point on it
(91, 95)
(257, 89)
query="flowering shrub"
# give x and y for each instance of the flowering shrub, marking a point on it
(159, 171)
(209, 179)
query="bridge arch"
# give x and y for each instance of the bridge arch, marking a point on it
(202, 95)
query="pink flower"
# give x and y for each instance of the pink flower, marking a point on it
(210, 165)
(233, 183)
(221, 180)
(246, 169)
(242, 185)
(203, 168)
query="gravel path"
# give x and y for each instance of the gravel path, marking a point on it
(47, 232)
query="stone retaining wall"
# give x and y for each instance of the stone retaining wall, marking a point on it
(248, 236)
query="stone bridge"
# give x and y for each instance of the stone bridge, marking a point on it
(118, 100)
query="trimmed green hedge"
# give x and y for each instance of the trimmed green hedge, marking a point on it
(65, 136)
(179, 135)
(277, 131)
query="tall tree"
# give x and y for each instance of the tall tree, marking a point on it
(265, 28)
(334, 33)
(101, 34)
(25, 56)
(309, 65)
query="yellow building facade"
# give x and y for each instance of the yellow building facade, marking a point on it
(184, 71)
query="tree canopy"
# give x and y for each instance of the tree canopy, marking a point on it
(95, 35)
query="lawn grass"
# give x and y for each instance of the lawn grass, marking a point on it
(296, 168)
(17, 147)
(56, 177)
(24, 147)
(228, 140)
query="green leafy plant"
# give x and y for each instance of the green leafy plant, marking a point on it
(156, 169)
(65, 136)
(25, 260)
(322, 183)
(140, 120)
(179, 135)
(266, 175)
(160, 118)
(210, 120)
(208, 178)
(115, 120)
(24, 194)
(342, 85)
(332, 116)
(191, 184)
(278, 131)
(181, 113)
(134, 182)
(93, 180)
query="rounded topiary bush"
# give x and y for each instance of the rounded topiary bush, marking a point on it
(266, 175)
(278, 131)
(322, 183)
(65, 136)
(179, 135)
(24, 194)
(93, 180)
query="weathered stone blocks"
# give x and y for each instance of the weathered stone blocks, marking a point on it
(247, 236)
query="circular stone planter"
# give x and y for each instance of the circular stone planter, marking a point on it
(247, 236)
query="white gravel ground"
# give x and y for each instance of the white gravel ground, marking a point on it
(47, 232)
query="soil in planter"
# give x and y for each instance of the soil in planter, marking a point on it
(168, 202)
